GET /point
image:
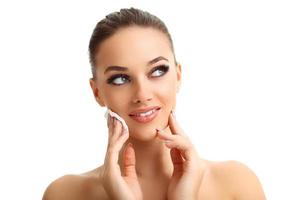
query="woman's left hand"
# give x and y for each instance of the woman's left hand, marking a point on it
(188, 167)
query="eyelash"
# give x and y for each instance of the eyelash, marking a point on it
(163, 68)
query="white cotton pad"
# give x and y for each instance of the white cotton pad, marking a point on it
(118, 117)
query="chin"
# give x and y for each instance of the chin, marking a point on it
(147, 131)
(143, 134)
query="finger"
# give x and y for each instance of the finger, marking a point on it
(129, 161)
(110, 126)
(121, 141)
(177, 161)
(174, 126)
(116, 148)
(186, 153)
(112, 155)
(110, 130)
(116, 143)
(117, 129)
(179, 142)
(161, 134)
(108, 120)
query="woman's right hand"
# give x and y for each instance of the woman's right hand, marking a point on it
(116, 185)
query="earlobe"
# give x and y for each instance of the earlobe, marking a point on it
(178, 77)
(96, 92)
(100, 101)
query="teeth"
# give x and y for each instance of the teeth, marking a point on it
(145, 114)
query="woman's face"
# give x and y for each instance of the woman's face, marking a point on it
(135, 69)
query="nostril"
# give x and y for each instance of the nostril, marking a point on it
(141, 101)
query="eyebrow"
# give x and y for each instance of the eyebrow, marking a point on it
(120, 68)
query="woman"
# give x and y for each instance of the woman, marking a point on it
(135, 75)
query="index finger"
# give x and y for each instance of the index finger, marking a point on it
(174, 126)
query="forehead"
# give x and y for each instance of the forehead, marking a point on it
(133, 46)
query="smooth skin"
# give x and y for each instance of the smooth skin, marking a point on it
(192, 177)
(145, 163)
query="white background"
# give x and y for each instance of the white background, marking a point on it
(239, 98)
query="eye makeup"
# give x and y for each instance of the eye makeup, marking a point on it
(162, 68)
(120, 79)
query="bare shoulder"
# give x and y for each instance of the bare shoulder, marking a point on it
(238, 179)
(75, 187)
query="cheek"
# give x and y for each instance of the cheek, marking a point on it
(113, 97)
(116, 100)
(166, 92)
(163, 91)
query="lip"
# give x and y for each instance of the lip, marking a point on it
(144, 119)
(144, 110)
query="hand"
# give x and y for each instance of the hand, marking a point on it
(117, 186)
(188, 167)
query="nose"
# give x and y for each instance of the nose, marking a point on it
(142, 92)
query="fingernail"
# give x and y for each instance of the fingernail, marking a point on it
(160, 132)
(157, 131)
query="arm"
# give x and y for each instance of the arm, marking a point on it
(110, 184)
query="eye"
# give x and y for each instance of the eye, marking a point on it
(160, 70)
(118, 79)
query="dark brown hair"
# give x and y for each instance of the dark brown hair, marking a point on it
(124, 18)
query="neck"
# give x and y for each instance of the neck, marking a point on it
(152, 158)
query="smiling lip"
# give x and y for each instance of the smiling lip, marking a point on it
(142, 116)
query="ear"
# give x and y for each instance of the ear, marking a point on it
(96, 92)
(178, 73)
